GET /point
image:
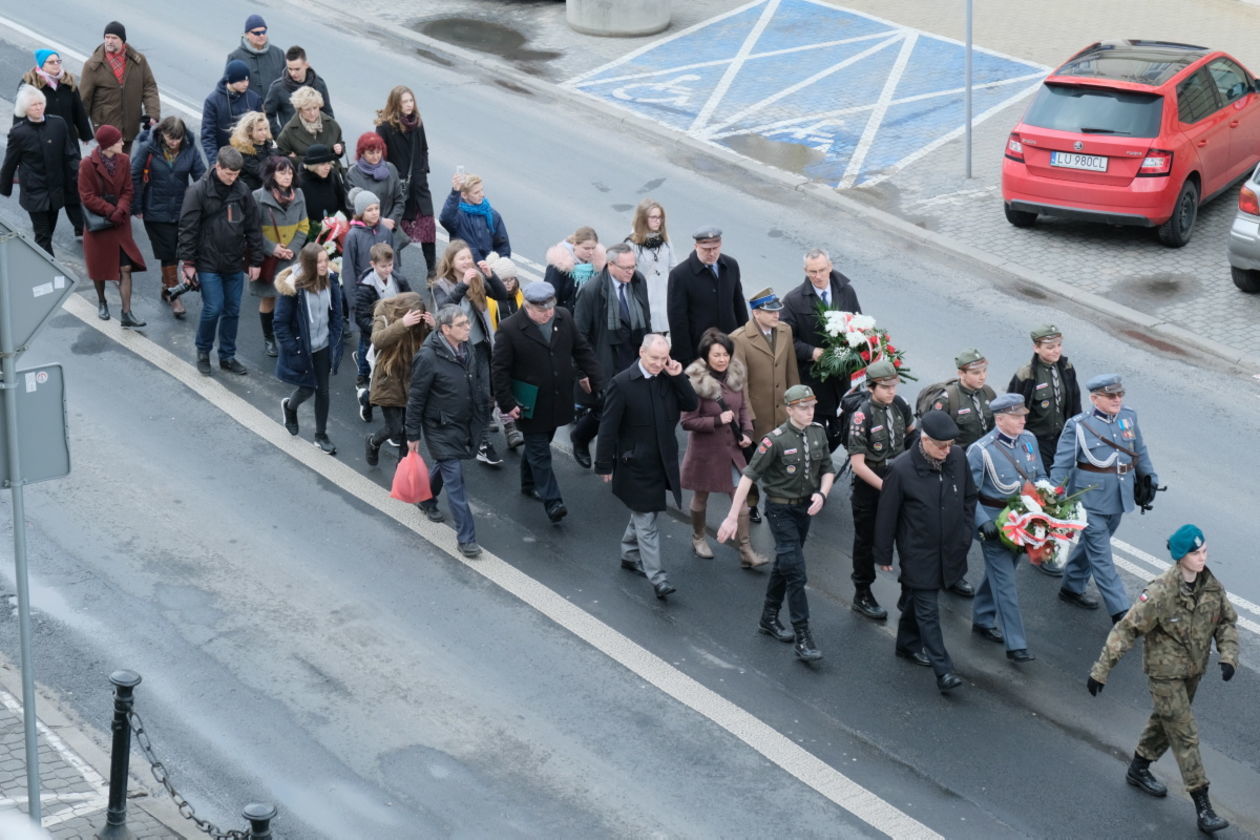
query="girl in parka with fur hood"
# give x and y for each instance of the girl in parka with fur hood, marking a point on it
(399, 326)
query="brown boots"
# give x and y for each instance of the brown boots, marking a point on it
(700, 542)
(748, 559)
(170, 278)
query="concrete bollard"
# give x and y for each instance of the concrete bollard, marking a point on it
(617, 17)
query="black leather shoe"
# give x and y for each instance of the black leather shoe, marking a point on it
(203, 365)
(772, 627)
(989, 634)
(1139, 775)
(431, 511)
(287, 415)
(102, 310)
(754, 515)
(129, 320)
(269, 347)
(1209, 822)
(581, 453)
(662, 589)
(530, 492)
(633, 566)
(918, 657)
(864, 602)
(948, 682)
(371, 452)
(1078, 599)
(1020, 655)
(233, 366)
(804, 647)
(557, 511)
(963, 589)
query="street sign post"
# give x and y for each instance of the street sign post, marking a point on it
(41, 419)
(32, 288)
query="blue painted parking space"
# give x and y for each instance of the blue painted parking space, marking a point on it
(864, 96)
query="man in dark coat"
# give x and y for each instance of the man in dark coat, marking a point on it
(446, 403)
(231, 99)
(264, 60)
(297, 73)
(704, 292)
(43, 153)
(638, 450)
(828, 288)
(613, 315)
(532, 371)
(927, 508)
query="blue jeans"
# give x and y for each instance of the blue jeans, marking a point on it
(221, 307)
(452, 473)
(365, 341)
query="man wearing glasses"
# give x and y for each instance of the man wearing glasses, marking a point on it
(1048, 385)
(1102, 446)
(264, 59)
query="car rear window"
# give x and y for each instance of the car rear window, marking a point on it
(1090, 110)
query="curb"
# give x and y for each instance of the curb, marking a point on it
(1165, 332)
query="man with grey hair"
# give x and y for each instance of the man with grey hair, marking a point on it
(638, 451)
(824, 287)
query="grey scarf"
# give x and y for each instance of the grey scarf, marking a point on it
(637, 321)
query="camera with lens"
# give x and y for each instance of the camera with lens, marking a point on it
(184, 286)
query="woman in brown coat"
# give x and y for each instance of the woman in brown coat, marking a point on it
(715, 456)
(105, 188)
(399, 326)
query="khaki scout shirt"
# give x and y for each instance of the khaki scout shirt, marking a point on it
(790, 462)
(879, 431)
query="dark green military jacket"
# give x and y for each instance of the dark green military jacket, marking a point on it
(1179, 621)
(790, 462)
(970, 410)
(879, 431)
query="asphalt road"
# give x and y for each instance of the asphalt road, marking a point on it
(298, 645)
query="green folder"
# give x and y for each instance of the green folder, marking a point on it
(526, 397)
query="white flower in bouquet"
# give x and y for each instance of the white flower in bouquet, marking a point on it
(862, 322)
(834, 323)
(855, 339)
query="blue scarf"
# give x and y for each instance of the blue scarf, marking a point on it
(482, 209)
(378, 173)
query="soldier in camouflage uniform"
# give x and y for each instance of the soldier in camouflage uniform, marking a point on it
(1179, 613)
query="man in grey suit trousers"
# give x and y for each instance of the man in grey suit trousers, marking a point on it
(638, 450)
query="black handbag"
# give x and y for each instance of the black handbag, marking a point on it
(94, 221)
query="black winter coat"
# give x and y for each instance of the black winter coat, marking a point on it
(409, 150)
(445, 400)
(160, 186)
(615, 350)
(276, 104)
(698, 301)
(219, 226)
(219, 114)
(44, 156)
(63, 101)
(930, 516)
(520, 352)
(292, 324)
(800, 312)
(264, 67)
(366, 296)
(638, 440)
(324, 196)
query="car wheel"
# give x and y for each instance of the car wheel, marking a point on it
(1248, 281)
(1177, 230)
(1020, 218)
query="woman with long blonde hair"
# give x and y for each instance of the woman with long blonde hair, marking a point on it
(252, 138)
(407, 147)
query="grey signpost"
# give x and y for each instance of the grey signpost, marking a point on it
(32, 288)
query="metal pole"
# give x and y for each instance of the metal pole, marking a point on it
(120, 755)
(260, 815)
(9, 392)
(967, 106)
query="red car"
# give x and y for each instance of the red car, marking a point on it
(1133, 133)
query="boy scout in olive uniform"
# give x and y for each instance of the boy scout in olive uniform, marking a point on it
(793, 463)
(1048, 386)
(967, 400)
(1180, 613)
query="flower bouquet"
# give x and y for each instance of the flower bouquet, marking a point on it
(1043, 522)
(851, 342)
(332, 237)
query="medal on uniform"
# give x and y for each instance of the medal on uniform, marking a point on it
(791, 468)
(1045, 403)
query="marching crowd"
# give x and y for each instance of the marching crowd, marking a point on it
(621, 344)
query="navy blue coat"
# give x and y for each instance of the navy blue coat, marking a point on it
(159, 185)
(219, 114)
(366, 296)
(474, 230)
(293, 332)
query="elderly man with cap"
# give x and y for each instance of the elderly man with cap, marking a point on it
(793, 462)
(538, 354)
(966, 399)
(1101, 448)
(231, 99)
(264, 61)
(824, 287)
(1048, 386)
(879, 430)
(704, 292)
(764, 347)
(927, 509)
(118, 87)
(1180, 613)
(1000, 463)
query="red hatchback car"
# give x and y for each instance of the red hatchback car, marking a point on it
(1133, 133)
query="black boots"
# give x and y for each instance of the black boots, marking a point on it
(129, 320)
(864, 602)
(804, 647)
(1140, 777)
(102, 310)
(772, 627)
(1208, 821)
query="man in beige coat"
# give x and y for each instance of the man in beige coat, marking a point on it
(765, 347)
(118, 87)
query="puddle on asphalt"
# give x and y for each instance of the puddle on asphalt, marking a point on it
(1161, 286)
(483, 36)
(794, 157)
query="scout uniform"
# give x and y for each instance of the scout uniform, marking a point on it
(790, 464)
(1180, 621)
(877, 432)
(999, 466)
(969, 409)
(1050, 392)
(1104, 450)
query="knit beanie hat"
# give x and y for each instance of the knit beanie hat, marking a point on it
(116, 28)
(501, 266)
(363, 199)
(1184, 540)
(255, 22)
(236, 71)
(42, 55)
(107, 136)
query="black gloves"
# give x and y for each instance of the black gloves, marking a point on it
(989, 531)
(1094, 686)
(1227, 671)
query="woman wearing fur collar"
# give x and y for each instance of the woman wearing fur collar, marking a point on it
(720, 428)
(571, 262)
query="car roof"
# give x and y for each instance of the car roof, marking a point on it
(1150, 63)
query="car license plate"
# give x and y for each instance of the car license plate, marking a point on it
(1071, 160)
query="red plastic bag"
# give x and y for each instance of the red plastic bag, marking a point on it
(411, 480)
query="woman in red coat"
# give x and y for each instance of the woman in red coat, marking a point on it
(105, 188)
(715, 457)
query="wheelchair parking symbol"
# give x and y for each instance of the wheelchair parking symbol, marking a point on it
(673, 92)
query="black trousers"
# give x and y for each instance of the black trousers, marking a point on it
(43, 223)
(865, 504)
(789, 524)
(1047, 444)
(395, 423)
(920, 627)
(321, 361)
(586, 425)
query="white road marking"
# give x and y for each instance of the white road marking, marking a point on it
(778, 748)
(876, 120)
(737, 64)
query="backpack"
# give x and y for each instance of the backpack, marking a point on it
(931, 393)
(850, 403)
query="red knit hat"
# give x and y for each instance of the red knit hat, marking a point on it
(107, 136)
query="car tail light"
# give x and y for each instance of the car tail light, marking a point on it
(1015, 147)
(1157, 163)
(1248, 203)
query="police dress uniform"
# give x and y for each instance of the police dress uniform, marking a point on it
(1106, 451)
(878, 432)
(999, 466)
